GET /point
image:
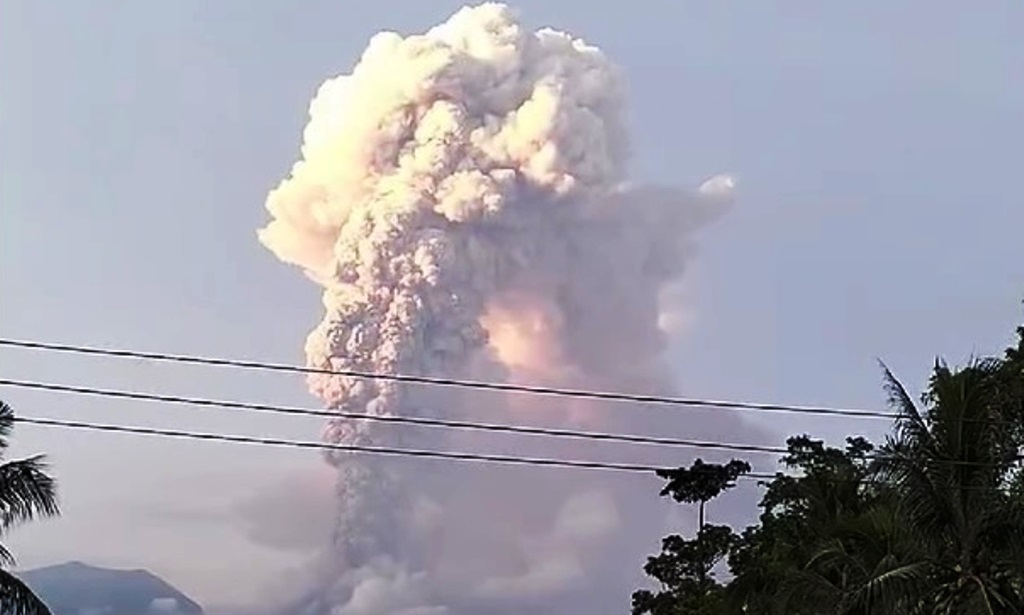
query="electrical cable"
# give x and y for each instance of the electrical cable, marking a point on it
(391, 451)
(401, 420)
(449, 382)
(422, 421)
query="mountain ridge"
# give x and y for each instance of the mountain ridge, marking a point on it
(76, 588)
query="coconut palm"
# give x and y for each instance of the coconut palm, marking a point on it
(950, 464)
(27, 492)
(868, 565)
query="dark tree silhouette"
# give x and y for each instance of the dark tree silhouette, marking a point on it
(702, 482)
(683, 568)
(27, 492)
(929, 523)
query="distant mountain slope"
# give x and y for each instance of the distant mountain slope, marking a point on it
(79, 589)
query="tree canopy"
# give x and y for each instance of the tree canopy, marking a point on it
(929, 522)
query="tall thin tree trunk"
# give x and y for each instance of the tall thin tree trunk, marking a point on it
(700, 542)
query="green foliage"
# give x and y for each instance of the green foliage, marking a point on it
(684, 567)
(929, 523)
(951, 463)
(27, 492)
(702, 481)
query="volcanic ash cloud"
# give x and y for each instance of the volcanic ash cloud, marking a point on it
(461, 198)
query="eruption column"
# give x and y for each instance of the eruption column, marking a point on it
(461, 200)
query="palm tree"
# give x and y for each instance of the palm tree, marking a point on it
(868, 565)
(27, 492)
(931, 526)
(950, 464)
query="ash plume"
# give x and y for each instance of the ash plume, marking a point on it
(462, 200)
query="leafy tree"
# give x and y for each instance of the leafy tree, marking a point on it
(702, 482)
(930, 523)
(26, 493)
(1011, 383)
(683, 568)
(825, 538)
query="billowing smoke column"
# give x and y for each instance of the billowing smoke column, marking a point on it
(461, 200)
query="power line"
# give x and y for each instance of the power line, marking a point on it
(429, 422)
(395, 451)
(401, 420)
(370, 450)
(449, 382)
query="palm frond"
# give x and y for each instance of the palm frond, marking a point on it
(26, 492)
(894, 589)
(6, 557)
(803, 587)
(16, 598)
(833, 557)
(897, 396)
(911, 425)
(6, 424)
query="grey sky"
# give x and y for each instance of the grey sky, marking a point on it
(876, 145)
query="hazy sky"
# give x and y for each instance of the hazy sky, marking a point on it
(875, 143)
